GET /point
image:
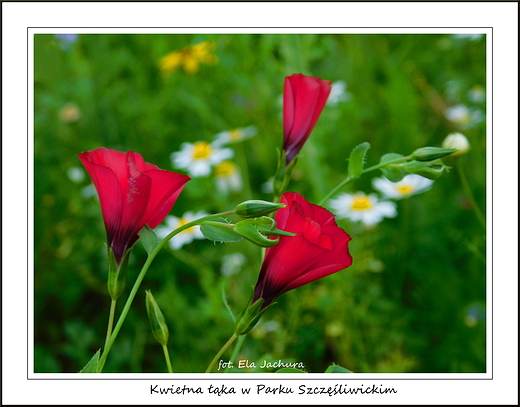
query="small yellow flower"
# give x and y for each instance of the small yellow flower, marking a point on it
(190, 58)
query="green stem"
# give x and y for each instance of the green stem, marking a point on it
(238, 345)
(141, 276)
(350, 179)
(220, 352)
(110, 321)
(469, 195)
(167, 357)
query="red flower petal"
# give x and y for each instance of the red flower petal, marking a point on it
(304, 99)
(132, 193)
(319, 248)
(166, 188)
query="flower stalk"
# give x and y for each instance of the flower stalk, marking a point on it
(220, 352)
(140, 278)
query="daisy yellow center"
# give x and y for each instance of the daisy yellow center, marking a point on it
(405, 189)
(225, 169)
(235, 135)
(361, 203)
(182, 222)
(201, 150)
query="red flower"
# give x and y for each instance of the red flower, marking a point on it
(319, 248)
(132, 193)
(304, 98)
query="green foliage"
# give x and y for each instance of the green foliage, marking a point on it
(149, 239)
(92, 365)
(414, 298)
(222, 232)
(357, 160)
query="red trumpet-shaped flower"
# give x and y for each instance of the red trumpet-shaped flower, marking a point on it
(304, 98)
(320, 248)
(132, 194)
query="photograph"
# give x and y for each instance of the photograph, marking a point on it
(260, 203)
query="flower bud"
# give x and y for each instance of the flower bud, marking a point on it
(431, 153)
(255, 208)
(431, 169)
(157, 322)
(457, 141)
(250, 232)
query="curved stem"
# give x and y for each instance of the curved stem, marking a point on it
(140, 278)
(167, 357)
(110, 321)
(220, 352)
(234, 355)
(350, 179)
(336, 189)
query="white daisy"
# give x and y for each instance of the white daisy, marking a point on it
(338, 93)
(411, 184)
(227, 177)
(184, 237)
(463, 116)
(361, 207)
(234, 136)
(198, 158)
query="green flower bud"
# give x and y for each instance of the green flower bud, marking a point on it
(249, 231)
(431, 153)
(430, 169)
(255, 208)
(457, 141)
(116, 274)
(157, 322)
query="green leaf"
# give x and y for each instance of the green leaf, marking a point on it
(393, 173)
(213, 231)
(357, 160)
(149, 239)
(290, 370)
(337, 369)
(92, 365)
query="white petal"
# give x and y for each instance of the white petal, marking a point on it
(200, 168)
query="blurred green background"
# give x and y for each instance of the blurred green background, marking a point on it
(414, 299)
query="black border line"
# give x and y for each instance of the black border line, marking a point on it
(281, 379)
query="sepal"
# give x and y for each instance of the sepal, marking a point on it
(250, 316)
(116, 274)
